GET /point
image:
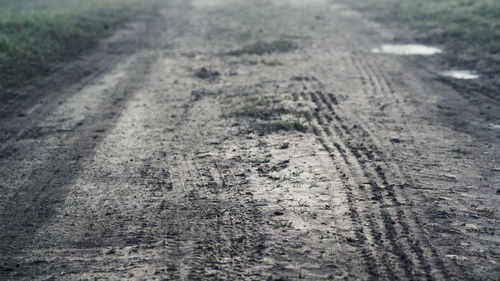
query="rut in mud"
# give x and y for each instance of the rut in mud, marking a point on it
(250, 140)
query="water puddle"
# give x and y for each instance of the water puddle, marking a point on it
(460, 74)
(406, 50)
(494, 126)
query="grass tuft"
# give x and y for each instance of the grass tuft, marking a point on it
(35, 34)
(470, 26)
(262, 48)
(277, 126)
(259, 112)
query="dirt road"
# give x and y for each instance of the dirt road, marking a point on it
(249, 140)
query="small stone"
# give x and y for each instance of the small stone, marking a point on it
(278, 213)
(395, 140)
(470, 227)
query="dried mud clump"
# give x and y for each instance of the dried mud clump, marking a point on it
(262, 48)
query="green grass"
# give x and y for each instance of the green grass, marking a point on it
(36, 33)
(260, 160)
(285, 126)
(251, 110)
(261, 48)
(470, 26)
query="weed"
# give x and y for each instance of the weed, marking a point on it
(323, 236)
(260, 160)
(302, 78)
(314, 185)
(255, 111)
(271, 63)
(297, 173)
(276, 126)
(285, 224)
(303, 203)
(313, 214)
(299, 211)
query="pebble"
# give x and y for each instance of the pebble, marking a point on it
(470, 227)
(456, 257)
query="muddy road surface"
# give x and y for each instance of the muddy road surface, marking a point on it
(249, 140)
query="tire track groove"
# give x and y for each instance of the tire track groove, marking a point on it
(360, 65)
(376, 190)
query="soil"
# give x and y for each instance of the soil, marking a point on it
(174, 151)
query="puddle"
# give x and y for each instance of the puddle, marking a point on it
(460, 74)
(406, 50)
(494, 126)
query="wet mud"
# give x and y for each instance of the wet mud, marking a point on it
(272, 144)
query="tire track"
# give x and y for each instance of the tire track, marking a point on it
(369, 156)
(33, 200)
(219, 227)
(378, 183)
(364, 236)
(357, 170)
(396, 171)
(230, 234)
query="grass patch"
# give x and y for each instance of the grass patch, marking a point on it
(254, 111)
(260, 160)
(261, 108)
(285, 224)
(262, 48)
(471, 26)
(35, 34)
(277, 126)
(271, 63)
